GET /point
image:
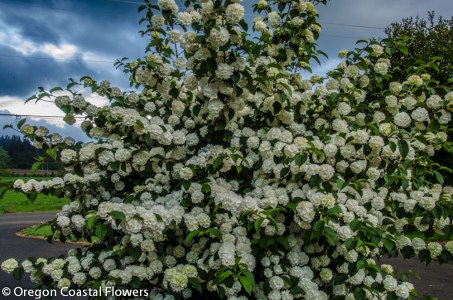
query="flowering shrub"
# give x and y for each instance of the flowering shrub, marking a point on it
(227, 174)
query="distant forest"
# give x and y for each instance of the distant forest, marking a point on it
(21, 153)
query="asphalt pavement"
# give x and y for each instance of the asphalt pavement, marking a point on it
(13, 246)
(436, 280)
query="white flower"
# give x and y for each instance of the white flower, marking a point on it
(63, 221)
(402, 291)
(420, 114)
(395, 87)
(326, 274)
(434, 102)
(385, 129)
(68, 155)
(449, 246)
(175, 36)
(376, 50)
(326, 172)
(19, 183)
(224, 71)
(391, 101)
(402, 120)
(381, 68)
(344, 108)
(418, 244)
(235, 12)
(157, 21)
(259, 25)
(434, 249)
(185, 173)
(185, 18)
(168, 5)
(276, 283)
(306, 211)
(390, 283)
(10, 265)
(179, 137)
(358, 166)
(218, 37)
(122, 155)
(415, 80)
(274, 19)
(444, 118)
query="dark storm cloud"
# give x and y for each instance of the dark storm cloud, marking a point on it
(106, 29)
(21, 76)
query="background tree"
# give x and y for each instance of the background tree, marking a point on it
(425, 40)
(429, 42)
(5, 159)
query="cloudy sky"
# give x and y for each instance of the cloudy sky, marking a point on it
(45, 42)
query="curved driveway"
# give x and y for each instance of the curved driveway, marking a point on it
(21, 248)
(436, 280)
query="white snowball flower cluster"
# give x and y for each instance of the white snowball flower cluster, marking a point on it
(227, 174)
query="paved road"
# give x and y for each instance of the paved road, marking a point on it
(21, 248)
(436, 280)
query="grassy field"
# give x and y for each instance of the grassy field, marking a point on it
(17, 202)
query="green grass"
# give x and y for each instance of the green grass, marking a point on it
(38, 230)
(13, 202)
(44, 231)
(7, 179)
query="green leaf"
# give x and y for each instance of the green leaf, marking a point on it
(388, 243)
(195, 283)
(404, 148)
(18, 273)
(402, 48)
(297, 290)
(355, 224)
(340, 183)
(392, 146)
(21, 123)
(360, 264)
(246, 284)
(52, 153)
(300, 159)
(218, 161)
(284, 242)
(314, 180)
(101, 232)
(258, 223)
(135, 252)
(224, 276)
(206, 188)
(91, 221)
(186, 184)
(32, 196)
(249, 275)
(215, 232)
(191, 235)
(317, 230)
(439, 177)
(277, 107)
(56, 89)
(35, 167)
(117, 215)
(330, 234)
(244, 25)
